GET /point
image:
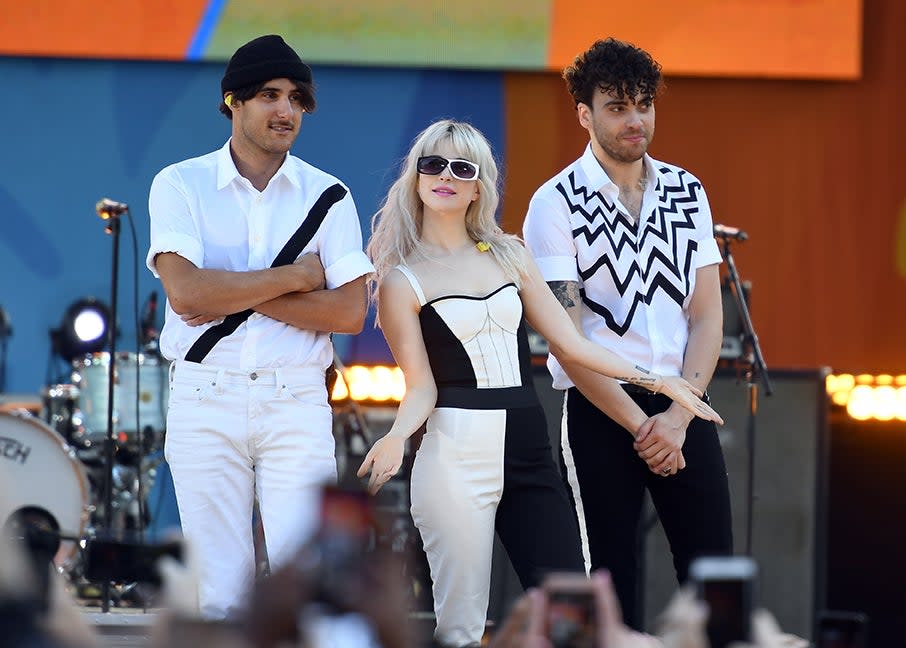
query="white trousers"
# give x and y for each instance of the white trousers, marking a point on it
(457, 483)
(233, 436)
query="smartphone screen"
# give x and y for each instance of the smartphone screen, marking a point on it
(727, 585)
(571, 619)
(571, 610)
(346, 513)
(728, 619)
(842, 630)
(345, 535)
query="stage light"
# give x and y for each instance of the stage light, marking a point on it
(83, 329)
(377, 384)
(881, 397)
(885, 406)
(861, 403)
(900, 407)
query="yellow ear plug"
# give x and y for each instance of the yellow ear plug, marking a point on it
(483, 246)
(228, 100)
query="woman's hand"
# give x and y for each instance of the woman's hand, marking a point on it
(688, 395)
(383, 460)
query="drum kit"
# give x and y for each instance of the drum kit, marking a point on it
(55, 463)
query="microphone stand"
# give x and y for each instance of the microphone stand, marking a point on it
(755, 369)
(112, 228)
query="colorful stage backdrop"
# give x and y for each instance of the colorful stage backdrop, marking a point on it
(812, 39)
(812, 170)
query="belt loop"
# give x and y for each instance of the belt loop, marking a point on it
(218, 381)
(171, 371)
(278, 381)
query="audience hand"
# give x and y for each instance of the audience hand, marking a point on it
(767, 634)
(526, 625)
(682, 624)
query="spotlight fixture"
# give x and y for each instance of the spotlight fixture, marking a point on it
(83, 329)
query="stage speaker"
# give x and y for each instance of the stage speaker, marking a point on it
(789, 514)
(866, 528)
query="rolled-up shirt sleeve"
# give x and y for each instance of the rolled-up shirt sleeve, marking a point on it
(708, 251)
(172, 227)
(549, 238)
(339, 244)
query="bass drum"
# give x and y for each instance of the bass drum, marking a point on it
(43, 481)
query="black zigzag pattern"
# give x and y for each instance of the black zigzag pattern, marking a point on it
(668, 254)
(612, 226)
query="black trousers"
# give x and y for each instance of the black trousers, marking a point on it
(606, 481)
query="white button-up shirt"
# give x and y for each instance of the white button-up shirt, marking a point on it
(636, 281)
(205, 211)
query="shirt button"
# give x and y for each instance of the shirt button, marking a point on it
(253, 376)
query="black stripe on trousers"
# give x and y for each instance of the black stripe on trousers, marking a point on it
(693, 505)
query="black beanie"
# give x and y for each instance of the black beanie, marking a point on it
(263, 59)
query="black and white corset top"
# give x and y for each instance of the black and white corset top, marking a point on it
(475, 342)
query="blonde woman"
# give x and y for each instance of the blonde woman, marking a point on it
(453, 295)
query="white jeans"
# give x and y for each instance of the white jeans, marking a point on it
(232, 436)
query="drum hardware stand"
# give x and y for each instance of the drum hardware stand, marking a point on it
(110, 212)
(6, 331)
(755, 370)
(351, 422)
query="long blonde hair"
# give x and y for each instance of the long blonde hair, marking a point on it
(396, 226)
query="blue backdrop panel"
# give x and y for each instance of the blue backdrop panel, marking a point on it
(80, 130)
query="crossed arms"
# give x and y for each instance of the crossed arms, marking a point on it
(293, 294)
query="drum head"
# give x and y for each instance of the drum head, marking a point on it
(40, 474)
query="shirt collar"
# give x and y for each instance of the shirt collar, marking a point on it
(226, 168)
(227, 171)
(598, 178)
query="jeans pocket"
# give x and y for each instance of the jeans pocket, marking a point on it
(190, 391)
(306, 394)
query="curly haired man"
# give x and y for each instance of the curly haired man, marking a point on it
(626, 243)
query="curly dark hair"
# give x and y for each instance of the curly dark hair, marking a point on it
(613, 66)
(306, 89)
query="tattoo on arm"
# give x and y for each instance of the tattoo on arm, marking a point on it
(643, 381)
(566, 292)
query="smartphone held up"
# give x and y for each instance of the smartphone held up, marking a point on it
(727, 584)
(572, 619)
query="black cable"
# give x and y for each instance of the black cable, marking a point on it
(48, 367)
(140, 435)
(3, 350)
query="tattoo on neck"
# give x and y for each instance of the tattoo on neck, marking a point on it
(643, 370)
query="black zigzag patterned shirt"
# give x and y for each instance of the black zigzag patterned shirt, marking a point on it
(636, 281)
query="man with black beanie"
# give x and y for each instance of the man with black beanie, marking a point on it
(260, 255)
